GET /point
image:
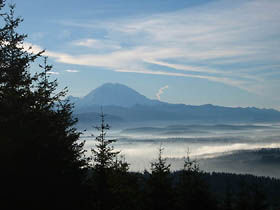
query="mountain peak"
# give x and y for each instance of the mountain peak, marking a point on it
(127, 104)
(112, 85)
(115, 94)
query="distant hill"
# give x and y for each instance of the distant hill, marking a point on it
(124, 104)
(261, 162)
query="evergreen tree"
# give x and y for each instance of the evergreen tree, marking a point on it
(251, 197)
(160, 167)
(109, 173)
(1, 4)
(228, 200)
(191, 189)
(42, 162)
(159, 188)
(104, 154)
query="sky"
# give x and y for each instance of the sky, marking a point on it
(195, 52)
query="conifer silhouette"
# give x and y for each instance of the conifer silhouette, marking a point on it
(42, 161)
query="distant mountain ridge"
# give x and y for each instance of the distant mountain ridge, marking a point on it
(123, 104)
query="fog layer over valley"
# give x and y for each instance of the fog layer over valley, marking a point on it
(215, 146)
(208, 133)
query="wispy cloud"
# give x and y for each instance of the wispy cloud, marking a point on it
(223, 80)
(72, 71)
(185, 67)
(161, 91)
(230, 42)
(53, 72)
(97, 44)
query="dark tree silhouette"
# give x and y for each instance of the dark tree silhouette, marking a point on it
(160, 167)
(159, 193)
(110, 173)
(104, 155)
(42, 162)
(228, 200)
(251, 197)
(191, 189)
(1, 4)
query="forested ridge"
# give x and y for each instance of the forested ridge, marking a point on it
(43, 163)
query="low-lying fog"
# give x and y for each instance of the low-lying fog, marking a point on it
(140, 145)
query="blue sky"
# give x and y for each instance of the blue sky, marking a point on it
(186, 51)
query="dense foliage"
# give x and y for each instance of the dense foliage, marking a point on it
(41, 159)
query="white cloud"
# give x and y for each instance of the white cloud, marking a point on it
(161, 91)
(226, 42)
(53, 72)
(86, 43)
(72, 71)
(97, 44)
(185, 67)
(224, 80)
(32, 48)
